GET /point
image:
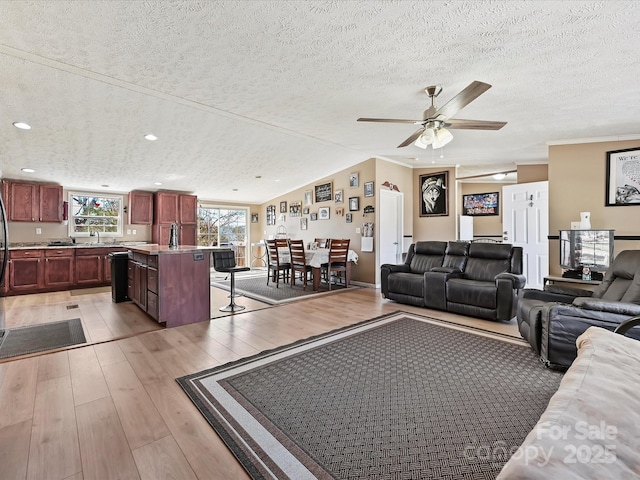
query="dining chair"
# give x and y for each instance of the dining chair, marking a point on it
(338, 257)
(299, 262)
(322, 242)
(276, 268)
(225, 261)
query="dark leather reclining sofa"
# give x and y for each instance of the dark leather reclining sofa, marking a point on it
(475, 279)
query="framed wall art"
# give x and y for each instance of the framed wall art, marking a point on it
(303, 224)
(433, 194)
(623, 177)
(481, 204)
(308, 197)
(339, 211)
(323, 213)
(283, 207)
(339, 196)
(349, 217)
(368, 189)
(314, 217)
(271, 215)
(324, 192)
(254, 218)
(354, 180)
(354, 204)
(295, 209)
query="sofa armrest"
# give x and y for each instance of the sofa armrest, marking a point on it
(566, 290)
(517, 280)
(601, 305)
(401, 267)
(435, 286)
(546, 296)
(446, 270)
(387, 269)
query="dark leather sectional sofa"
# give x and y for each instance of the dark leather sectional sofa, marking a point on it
(476, 279)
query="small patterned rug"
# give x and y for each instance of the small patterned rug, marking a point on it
(39, 338)
(399, 397)
(256, 287)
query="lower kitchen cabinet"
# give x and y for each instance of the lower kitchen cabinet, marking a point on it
(137, 279)
(53, 269)
(26, 271)
(58, 268)
(92, 266)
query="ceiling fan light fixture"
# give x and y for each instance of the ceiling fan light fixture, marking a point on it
(443, 136)
(426, 139)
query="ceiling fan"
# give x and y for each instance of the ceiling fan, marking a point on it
(433, 127)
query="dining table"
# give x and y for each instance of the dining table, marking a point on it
(315, 259)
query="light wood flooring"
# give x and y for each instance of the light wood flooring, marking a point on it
(113, 410)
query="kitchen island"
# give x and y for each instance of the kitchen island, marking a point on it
(171, 284)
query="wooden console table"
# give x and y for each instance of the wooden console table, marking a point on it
(573, 282)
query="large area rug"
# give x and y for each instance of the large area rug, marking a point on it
(255, 286)
(39, 338)
(399, 397)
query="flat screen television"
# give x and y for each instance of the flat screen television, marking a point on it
(586, 248)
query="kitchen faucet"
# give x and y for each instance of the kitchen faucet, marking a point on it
(93, 233)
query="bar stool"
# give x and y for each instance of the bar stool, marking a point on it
(225, 261)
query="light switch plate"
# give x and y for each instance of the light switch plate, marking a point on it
(358, 230)
(38, 231)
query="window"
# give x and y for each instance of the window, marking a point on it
(224, 227)
(97, 213)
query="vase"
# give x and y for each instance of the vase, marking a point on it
(585, 220)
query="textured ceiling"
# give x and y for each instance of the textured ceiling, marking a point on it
(241, 89)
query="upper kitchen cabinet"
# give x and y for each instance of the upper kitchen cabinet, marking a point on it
(34, 202)
(188, 209)
(140, 208)
(171, 207)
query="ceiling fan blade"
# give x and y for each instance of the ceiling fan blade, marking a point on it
(412, 138)
(464, 98)
(390, 120)
(474, 124)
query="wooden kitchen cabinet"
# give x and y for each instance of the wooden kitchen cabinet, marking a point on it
(33, 202)
(137, 279)
(176, 208)
(188, 209)
(26, 271)
(52, 269)
(171, 285)
(92, 265)
(58, 268)
(140, 208)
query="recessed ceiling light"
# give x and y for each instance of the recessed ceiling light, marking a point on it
(22, 125)
(28, 170)
(104, 186)
(235, 189)
(157, 183)
(258, 176)
(150, 137)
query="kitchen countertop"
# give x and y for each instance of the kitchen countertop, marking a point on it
(161, 250)
(34, 245)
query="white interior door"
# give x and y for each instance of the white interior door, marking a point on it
(390, 228)
(525, 223)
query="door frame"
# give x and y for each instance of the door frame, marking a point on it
(398, 197)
